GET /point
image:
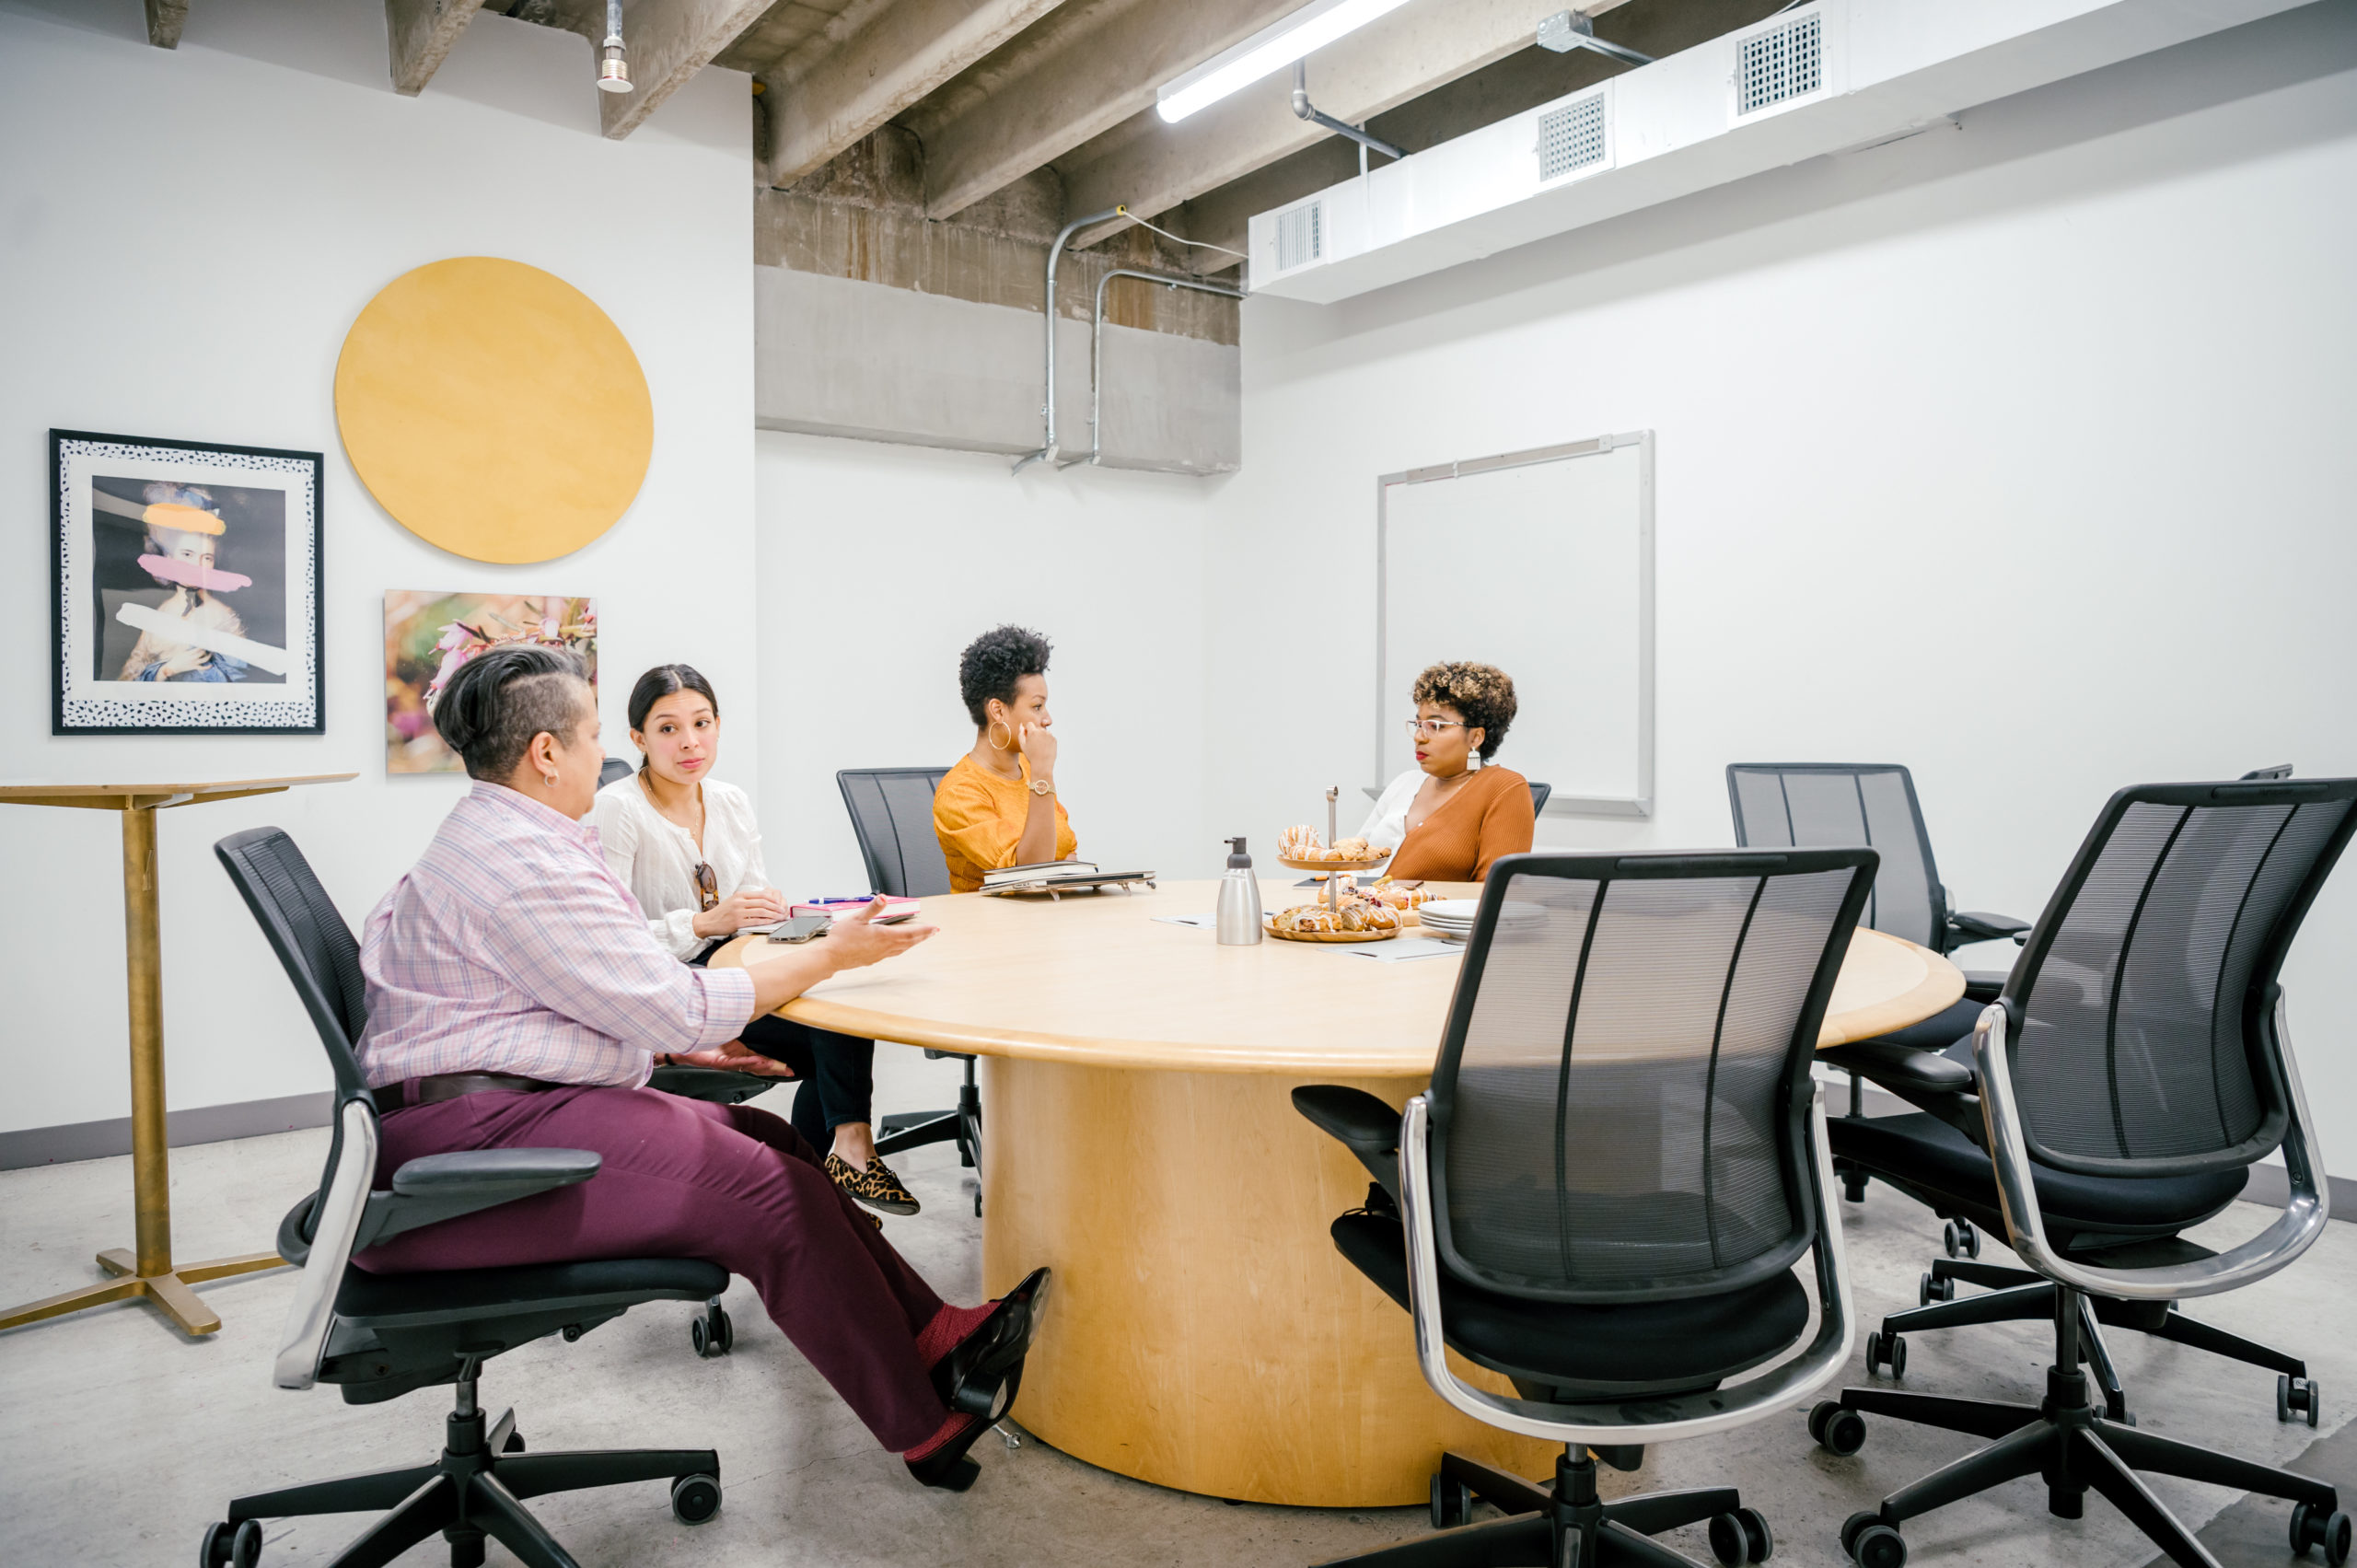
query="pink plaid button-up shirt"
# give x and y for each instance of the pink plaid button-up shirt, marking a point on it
(510, 947)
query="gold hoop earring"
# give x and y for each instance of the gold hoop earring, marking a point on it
(995, 725)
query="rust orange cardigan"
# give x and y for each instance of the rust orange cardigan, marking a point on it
(1489, 816)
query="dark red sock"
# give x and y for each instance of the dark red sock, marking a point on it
(949, 1324)
(949, 1429)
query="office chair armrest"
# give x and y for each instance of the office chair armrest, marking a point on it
(1894, 1065)
(719, 1086)
(435, 1187)
(1364, 1125)
(1975, 926)
(2294, 1232)
(1620, 1422)
(1984, 986)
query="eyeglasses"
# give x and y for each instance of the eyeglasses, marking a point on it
(707, 885)
(1421, 729)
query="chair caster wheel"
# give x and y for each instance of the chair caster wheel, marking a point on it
(1452, 1503)
(695, 1498)
(2312, 1526)
(1874, 1544)
(711, 1334)
(514, 1444)
(1960, 1239)
(1838, 1430)
(240, 1545)
(1931, 1289)
(1741, 1537)
(467, 1550)
(978, 1205)
(2294, 1396)
(1886, 1349)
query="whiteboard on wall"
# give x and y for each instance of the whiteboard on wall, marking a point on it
(1540, 562)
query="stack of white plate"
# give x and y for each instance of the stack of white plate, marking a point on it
(1451, 919)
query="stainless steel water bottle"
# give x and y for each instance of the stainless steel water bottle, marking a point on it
(1239, 899)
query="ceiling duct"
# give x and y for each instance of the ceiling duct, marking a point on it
(1825, 78)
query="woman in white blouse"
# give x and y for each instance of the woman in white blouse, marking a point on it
(688, 848)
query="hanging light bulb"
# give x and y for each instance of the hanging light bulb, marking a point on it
(613, 66)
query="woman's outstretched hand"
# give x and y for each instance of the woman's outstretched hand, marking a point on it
(854, 940)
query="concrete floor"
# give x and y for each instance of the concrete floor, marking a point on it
(119, 1439)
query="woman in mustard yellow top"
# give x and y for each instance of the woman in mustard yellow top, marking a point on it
(997, 806)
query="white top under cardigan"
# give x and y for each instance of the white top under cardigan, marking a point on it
(656, 858)
(1387, 823)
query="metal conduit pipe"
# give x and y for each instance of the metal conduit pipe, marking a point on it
(1096, 348)
(1047, 452)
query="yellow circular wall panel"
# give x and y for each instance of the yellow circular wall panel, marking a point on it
(493, 409)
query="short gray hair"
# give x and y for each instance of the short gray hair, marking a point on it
(503, 699)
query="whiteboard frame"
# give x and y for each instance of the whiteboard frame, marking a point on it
(1640, 805)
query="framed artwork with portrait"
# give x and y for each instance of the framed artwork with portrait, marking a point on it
(185, 588)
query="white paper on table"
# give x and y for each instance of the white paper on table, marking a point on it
(1204, 922)
(1399, 949)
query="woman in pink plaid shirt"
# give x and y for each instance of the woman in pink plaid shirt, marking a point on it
(516, 999)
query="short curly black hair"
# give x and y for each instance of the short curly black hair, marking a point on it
(1482, 695)
(994, 662)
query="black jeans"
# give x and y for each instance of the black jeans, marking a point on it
(836, 1073)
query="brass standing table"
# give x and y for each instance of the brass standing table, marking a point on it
(147, 1270)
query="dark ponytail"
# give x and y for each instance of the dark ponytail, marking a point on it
(661, 683)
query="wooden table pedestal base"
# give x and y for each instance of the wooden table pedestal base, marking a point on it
(168, 1291)
(1203, 1333)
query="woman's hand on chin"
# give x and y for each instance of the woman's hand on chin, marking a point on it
(733, 1058)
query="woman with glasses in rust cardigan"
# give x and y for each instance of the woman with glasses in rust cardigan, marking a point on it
(1453, 814)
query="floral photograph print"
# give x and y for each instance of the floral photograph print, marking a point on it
(429, 637)
(186, 587)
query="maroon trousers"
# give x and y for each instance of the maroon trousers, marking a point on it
(684, 1179)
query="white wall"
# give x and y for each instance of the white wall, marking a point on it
(877, 565)
(305, 184)
(2019, 453)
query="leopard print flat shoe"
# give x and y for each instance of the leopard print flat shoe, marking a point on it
(876, 1186)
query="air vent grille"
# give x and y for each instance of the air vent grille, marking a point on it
(1571, 137)
(1781, 63)
(1300, 235)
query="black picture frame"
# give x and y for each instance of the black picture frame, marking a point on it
(210, 658)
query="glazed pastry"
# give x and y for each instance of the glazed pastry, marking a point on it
(1299, 843)
(1351, 849)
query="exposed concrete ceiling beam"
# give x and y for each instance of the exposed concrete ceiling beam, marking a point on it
(1078, 74)
(421, 33)
(1151, 167)
(669, 42)
(827, 101)
(165, 20)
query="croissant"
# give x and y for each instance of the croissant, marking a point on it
(1351, 849)
(1298, 842)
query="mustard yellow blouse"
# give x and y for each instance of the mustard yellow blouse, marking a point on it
(979, 817)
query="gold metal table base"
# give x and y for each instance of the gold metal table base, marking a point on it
(168, 1291)
(148, 1271)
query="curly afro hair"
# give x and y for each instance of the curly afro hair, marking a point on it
(994, 662)
(1482, 695)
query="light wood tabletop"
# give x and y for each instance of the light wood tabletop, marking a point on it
(1098, 979)
(1138, 1137)
(153, 796)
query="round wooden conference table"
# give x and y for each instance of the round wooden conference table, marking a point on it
(1139, 1136)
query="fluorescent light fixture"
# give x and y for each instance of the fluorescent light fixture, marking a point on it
(1266, 53)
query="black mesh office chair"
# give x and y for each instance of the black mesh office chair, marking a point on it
(380, 1336)
(891, 815)
(1604, 1193)
(1779, 804)
(2134, 1069)
(1538, 794)
(613, 768)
